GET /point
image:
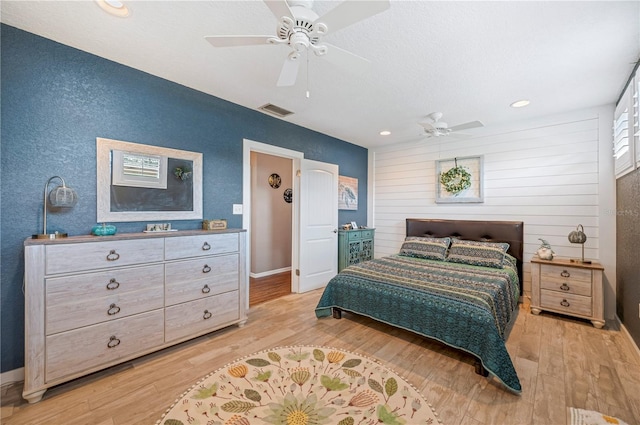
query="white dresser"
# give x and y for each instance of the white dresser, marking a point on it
(93, 302)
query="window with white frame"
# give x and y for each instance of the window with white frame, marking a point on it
(636, 119)
(623, 134)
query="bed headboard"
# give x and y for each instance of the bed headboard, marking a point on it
(511, 232)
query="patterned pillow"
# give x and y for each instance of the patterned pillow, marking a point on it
(429, 248)
(488, 254)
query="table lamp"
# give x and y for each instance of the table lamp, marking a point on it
(59, 197)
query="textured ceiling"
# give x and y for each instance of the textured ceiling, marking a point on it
(469, 60)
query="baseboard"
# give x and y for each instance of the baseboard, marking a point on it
(10, 376)
(270, 272)
(626, 333)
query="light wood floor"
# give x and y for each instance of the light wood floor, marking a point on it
(561, 363)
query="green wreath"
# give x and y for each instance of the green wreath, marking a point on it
(456, 180)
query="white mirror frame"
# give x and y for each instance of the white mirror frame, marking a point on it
(103, 158)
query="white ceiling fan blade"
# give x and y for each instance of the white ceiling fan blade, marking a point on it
(467, 125)
(238, 40)
(350, 12)
(289, 72)
(279, 8)
(345, 59)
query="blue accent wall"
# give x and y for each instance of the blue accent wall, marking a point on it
(56, 100)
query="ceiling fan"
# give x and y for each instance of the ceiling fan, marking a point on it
(302, 30)
(433, 127)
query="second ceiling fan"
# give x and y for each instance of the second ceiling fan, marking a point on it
(302, 30)
(433, 127)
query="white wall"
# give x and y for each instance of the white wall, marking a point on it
(552, 174)
(271, 216)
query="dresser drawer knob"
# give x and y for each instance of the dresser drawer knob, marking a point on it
(113, 284)
(565, 273)
(113, 342)
(113, 255)
(207, 315)
(206, 269)
(206, 246)
(113, 309)
(565, 287)
(565, 303)
(206, 289)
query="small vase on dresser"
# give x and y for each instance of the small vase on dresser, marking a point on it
(568, 287)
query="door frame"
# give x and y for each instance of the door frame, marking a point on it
(249, 146)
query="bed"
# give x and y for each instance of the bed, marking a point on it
(465, 296)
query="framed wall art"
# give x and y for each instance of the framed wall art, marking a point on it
(460, 180)
(347, 193)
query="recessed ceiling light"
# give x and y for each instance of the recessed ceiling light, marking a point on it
(520, 103)
(114, 7)
(385, 133)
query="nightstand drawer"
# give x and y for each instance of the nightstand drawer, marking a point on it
(565, 274)
(566, 303)
(566, 286)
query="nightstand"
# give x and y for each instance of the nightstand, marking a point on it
(567, 287)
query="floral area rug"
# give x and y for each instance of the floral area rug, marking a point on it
(301, 385)
(590, 417)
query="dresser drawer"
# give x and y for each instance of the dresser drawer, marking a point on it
(98, 255)
(82, 349)
(566, 303)
(354, 236)
(366, 234)
(203, 277)
(81, 300)
(198, 246)
(201, 316)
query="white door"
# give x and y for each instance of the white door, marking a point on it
(318, 224)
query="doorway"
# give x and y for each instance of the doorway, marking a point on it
(250, 210)
(314, 209)
(271, 227)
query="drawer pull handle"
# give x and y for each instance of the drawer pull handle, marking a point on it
(207, 315)
(206, 289)
(113, 309)
(206, 269)
(206, 246)
(565, 273)
(113, 342)
(565, 303)
(113, 284)
(565, 287)
(113, 255)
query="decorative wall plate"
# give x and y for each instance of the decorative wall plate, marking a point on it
(288, 195)
(275, 180)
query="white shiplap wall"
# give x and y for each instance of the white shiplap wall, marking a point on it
(545, 173)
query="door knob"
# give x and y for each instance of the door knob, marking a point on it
(335, 230)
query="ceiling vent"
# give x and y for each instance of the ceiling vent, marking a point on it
(275, 110)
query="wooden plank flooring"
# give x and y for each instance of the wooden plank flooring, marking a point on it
(269, 288)
(561, 363)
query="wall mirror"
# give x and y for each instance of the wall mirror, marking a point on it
(146, 183)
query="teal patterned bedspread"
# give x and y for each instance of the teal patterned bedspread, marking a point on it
(466, 307)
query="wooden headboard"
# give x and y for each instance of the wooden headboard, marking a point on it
(511, 232)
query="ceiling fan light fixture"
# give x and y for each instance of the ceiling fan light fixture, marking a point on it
(520, 103)
(114, 7)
